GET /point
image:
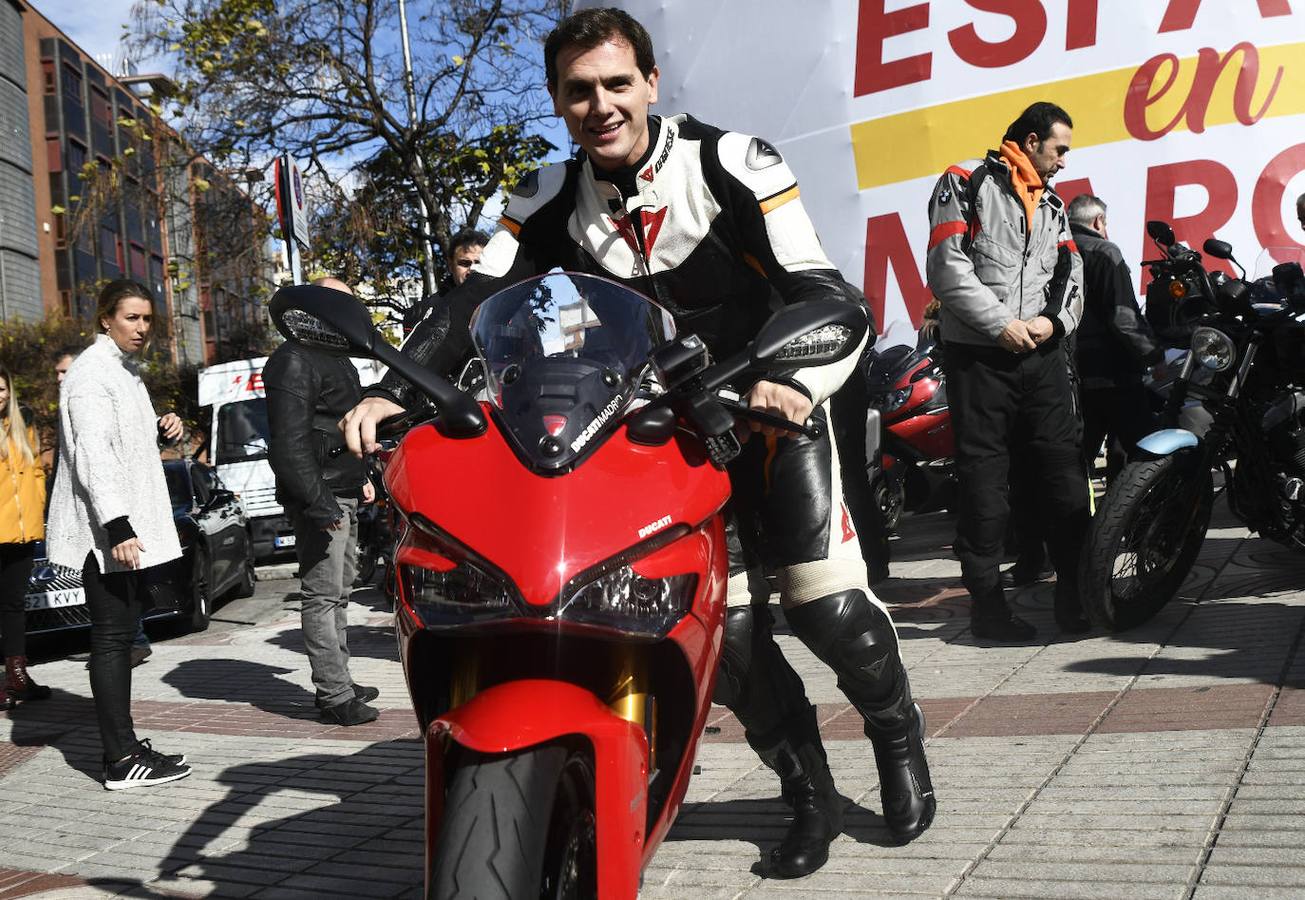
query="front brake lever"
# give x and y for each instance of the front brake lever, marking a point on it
(813, 429)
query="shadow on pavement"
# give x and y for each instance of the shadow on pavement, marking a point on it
(368, 641)
(49, 723)
(362, 836)
(763, 822)
(241, 681)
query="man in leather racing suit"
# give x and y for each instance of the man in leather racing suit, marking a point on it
(709, 224)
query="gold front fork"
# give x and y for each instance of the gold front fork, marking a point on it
(464, 676)
(630, 698)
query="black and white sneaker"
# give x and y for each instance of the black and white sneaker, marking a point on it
(144, 768)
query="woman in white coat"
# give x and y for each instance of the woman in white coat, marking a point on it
(110, 516)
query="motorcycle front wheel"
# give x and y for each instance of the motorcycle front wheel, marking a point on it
(1145, 538)
(517, 825)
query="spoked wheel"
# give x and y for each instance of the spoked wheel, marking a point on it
(517, 825)
(1145, 538)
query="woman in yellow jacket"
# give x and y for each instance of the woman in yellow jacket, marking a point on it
(22, 524)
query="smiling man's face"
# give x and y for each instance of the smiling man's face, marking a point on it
(604, 98)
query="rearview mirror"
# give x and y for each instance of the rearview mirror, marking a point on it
(1160, 232)
(811, 333)
(323, 318)
(1217, 249)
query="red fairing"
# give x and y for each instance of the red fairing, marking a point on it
(622, 494)
(527, 713)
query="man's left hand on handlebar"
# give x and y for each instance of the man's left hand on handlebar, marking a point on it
(359, 424)
(778, 400)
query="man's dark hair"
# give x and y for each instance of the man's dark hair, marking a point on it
(467, 237)
(1037, 119)
(591, 27)
(66, 350)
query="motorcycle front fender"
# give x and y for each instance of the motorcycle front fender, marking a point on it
(520, 714)
(1166, 442)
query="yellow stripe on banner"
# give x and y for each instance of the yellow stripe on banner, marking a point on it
(779, 199)
(925, 141)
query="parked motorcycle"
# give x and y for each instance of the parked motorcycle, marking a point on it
(1246, 370)
(913, 429)
(562, 571)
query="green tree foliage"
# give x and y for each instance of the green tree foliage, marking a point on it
(322, 80)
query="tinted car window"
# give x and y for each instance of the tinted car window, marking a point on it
(242, 431)
(202, 480)
(178, 484)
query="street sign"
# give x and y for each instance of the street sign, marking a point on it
(291, 201)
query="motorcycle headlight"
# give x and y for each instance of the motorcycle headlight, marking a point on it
(893, 400)
(625, 600)
(1213, 349)
(444, 586)
(461, 595)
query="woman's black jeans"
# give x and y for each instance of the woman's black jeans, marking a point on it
(15, 570)
(114, 602)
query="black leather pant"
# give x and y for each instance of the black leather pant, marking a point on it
(114, 602)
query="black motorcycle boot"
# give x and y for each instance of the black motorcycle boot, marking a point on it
(759, 686)
(855, 638)
(1069, 609)
(798, 758)
(991, 618)
(905, 788)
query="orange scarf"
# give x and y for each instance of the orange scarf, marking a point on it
(1024, 178)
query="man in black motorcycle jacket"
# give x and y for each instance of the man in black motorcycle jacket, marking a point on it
(1114, 344)
(307, 391)
(709, 224)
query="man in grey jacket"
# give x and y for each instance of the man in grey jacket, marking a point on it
(307, 392)
(1003, 265)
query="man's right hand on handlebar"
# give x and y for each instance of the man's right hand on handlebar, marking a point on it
(359, 424)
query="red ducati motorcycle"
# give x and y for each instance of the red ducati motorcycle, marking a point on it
(908, 392)
(562, 571)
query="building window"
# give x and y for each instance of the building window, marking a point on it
(138, 263)
(47, 77)
(101, 113)
(72, 85)
(110, 248)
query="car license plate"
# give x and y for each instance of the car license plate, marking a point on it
(55, 599)
(284, 540)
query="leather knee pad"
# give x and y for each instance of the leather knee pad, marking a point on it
(756, 682)
(855, 637)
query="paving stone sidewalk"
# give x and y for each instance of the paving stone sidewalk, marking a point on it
(1166, 762)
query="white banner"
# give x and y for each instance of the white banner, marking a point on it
(1192, 111)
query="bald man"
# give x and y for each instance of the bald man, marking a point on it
(308, 391)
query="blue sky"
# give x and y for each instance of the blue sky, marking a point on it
(93, 26)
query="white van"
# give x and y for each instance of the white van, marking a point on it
(238, 444)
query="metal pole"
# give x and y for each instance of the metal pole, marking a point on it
(428, 251)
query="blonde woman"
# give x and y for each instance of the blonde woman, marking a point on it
(110, 516)
(22, 524)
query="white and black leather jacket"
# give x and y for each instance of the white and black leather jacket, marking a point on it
(725, 241)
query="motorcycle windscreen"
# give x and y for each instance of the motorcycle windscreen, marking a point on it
(564, 354)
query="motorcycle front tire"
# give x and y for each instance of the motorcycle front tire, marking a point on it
(517, 825)
(1157, 512)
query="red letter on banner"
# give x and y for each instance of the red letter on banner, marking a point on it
(873, 27)
(886, 245)
(1030, 28)
(1180, 14)
(1081, 24)
(1162, 183)
(1068, 190)
(1266, 202)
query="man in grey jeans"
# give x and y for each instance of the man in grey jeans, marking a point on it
(307, 393)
